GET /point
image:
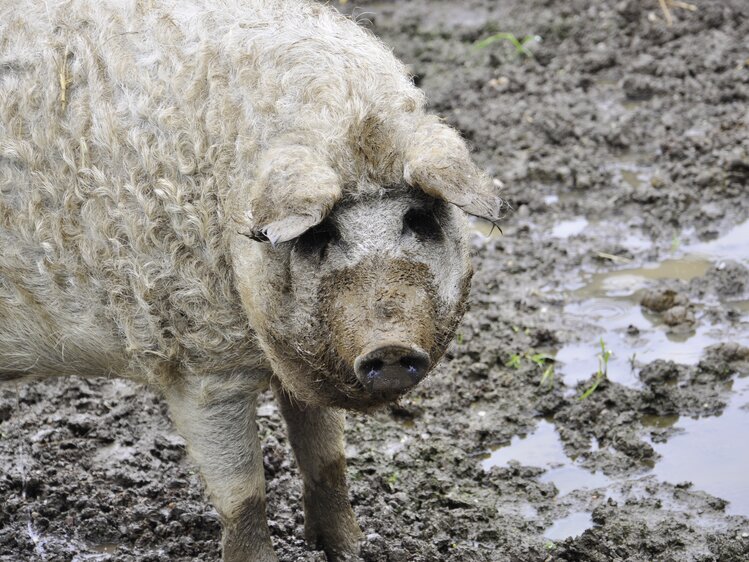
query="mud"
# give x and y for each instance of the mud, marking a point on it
(623, 145)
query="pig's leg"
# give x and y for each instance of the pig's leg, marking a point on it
(316, 435)
(217, 418)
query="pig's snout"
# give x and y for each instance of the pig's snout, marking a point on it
(391, 368)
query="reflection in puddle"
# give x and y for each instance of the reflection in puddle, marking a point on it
(565, 229)
(632, 177)
(711, 453)
(630, 170)
(551, 199)
(543, 448)
(734, 245)
(571, 526)
(627, 281)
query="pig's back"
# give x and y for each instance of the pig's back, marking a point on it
(114, 146)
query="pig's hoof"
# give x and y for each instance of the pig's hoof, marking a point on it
(340, 546)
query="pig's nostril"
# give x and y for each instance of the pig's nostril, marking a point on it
(414, 365)
(373, 368)
(391, 368)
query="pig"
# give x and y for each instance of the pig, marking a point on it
(211, 198)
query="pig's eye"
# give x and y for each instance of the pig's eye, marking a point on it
(316, 240)
(422, 223)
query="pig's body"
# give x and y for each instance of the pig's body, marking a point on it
(146, 146)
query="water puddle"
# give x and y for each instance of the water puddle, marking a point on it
(733, 245)
(634, 338)
(711, 452)
(634, 335)
(113, 454)
(571, 526)
(566, 229)
(543, 448)
(630, 171)
(708, 452)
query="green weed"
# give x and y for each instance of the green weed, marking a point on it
(548, 376)
(542, 360)
(675, 243)
(514, 361)
(603, 368)
(521, 45)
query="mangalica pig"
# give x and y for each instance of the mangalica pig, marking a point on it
(213, 197)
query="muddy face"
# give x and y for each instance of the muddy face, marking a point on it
(358, 309)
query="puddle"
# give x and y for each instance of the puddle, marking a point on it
(630, 171)
(632, 177)
(711, 453)
(578, 361)
(571, 526)
(733, 245)
(566, 229)
(551, 199)
(113, 453)
(625, 282)
(612, 300)
(543, 448)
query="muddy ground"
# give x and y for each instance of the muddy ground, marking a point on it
(623, 145)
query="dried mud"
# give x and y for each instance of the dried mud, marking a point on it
(623, 145)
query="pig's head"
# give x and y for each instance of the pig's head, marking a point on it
(354, 292)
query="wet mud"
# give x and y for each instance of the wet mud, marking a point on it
(621, 276)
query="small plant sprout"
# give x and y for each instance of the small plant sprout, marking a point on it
(514, 361)
(548, 376)
(521, 45)
(675, 243)
(540, 359)
(602, 373)
(633, 361)
(546, 362)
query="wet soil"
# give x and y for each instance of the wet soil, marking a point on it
(623, 145)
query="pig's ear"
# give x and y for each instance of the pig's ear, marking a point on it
(438, 163)
(294, 190)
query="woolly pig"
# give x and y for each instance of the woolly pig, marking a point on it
(213, 197)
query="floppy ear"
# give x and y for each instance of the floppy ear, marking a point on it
(438, 163)
(294, 190)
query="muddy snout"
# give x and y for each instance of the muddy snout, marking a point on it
(391, 367)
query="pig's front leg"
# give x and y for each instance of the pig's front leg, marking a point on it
(316, 435)
(216, 415)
